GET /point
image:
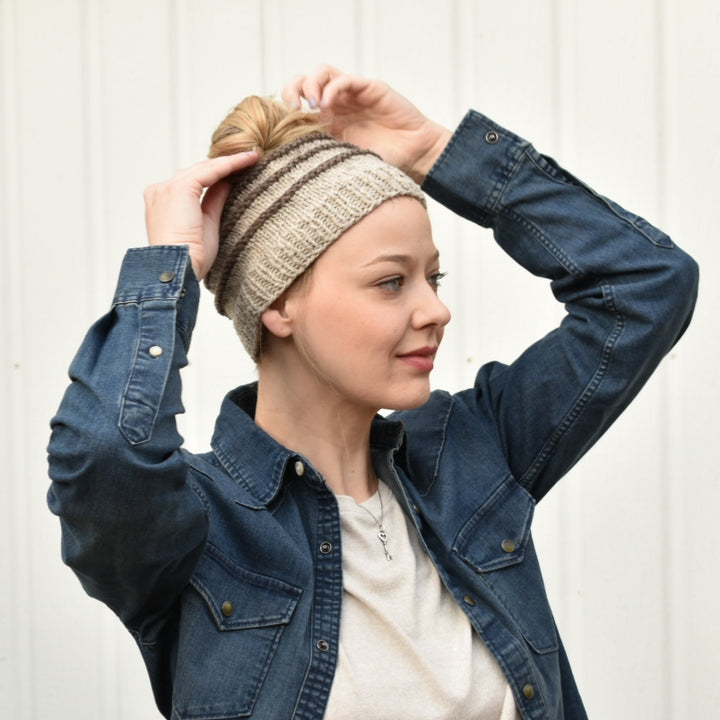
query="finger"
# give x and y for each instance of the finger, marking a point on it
(313, 85)
(315, 82)
(292, 92)
(208, 172)
(214, 200)
(351, 84)
(149, 194)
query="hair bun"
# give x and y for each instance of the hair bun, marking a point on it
(262, 124)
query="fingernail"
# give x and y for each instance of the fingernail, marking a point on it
(312, 102)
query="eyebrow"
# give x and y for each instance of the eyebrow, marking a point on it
(398, 258)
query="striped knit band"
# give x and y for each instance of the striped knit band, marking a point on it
(283, 212)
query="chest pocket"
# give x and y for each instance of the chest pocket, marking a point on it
(497, 544)
(232, 621)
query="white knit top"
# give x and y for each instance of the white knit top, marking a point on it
(407, 650)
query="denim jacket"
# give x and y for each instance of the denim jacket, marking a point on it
(226, 566)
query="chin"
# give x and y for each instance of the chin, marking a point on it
(409, 402)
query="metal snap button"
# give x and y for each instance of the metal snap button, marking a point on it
(326, 547)
(529, 691)
(167, 276)
(469, 600)
(299, 468)
(322, 645)
(491, 137)
(227, 608)
(508, 546)
(155, 351)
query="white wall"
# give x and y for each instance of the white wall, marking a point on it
(100, 97)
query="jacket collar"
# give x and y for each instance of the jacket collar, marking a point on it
(259, 463)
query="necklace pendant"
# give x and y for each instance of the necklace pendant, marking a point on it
(383, 539)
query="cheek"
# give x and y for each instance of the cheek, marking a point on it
(351, 331)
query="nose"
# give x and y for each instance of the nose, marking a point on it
(430, 310)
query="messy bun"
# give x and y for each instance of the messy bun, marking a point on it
(262, 124)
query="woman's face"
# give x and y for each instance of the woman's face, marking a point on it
(369, 322)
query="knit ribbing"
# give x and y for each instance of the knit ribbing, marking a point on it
(275, 208)
(283, 212)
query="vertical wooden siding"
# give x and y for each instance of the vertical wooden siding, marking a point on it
(100, 97)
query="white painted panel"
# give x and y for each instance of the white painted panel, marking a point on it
(14, 663)
(691, 114)
(101, 97)
(617, 501)
(44, 143)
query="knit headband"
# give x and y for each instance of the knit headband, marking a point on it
(283, 212)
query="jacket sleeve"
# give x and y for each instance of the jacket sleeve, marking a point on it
(628, 293)
(132, 529)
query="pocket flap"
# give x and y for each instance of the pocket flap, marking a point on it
(497, 534)
(239, 598)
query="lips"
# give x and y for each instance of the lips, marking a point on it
(421, 358)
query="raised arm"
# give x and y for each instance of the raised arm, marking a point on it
(132, 527)
(627, 289)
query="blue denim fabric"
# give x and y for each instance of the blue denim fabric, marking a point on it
(226, 567)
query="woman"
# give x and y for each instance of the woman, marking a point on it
(321, 561)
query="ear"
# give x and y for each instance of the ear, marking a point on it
(277, 319)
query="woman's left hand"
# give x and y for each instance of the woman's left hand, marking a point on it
(373, 115)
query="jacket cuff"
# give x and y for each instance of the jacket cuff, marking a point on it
(473, 170)
(161, 273)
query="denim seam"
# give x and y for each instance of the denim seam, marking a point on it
(500, 656)
(552, 648)
(493, 202)
(470, 528)
(515, 155)
(579, 405)
(601, 370)
(443, 437)
(197, 489)
(557, 253)
(634, 221)
(505, 175)
(237, 472)
(127, 402)
(317, 680)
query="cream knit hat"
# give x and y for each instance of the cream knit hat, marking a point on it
(283, 212)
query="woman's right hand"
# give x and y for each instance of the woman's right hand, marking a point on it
(186, 209)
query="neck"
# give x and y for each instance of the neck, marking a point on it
(311, 419)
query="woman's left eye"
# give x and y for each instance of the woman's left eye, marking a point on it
(393, 283)
(397, 282)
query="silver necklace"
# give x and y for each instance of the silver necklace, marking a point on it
(382, 535)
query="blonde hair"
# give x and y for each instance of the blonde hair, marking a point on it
(262, 124)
